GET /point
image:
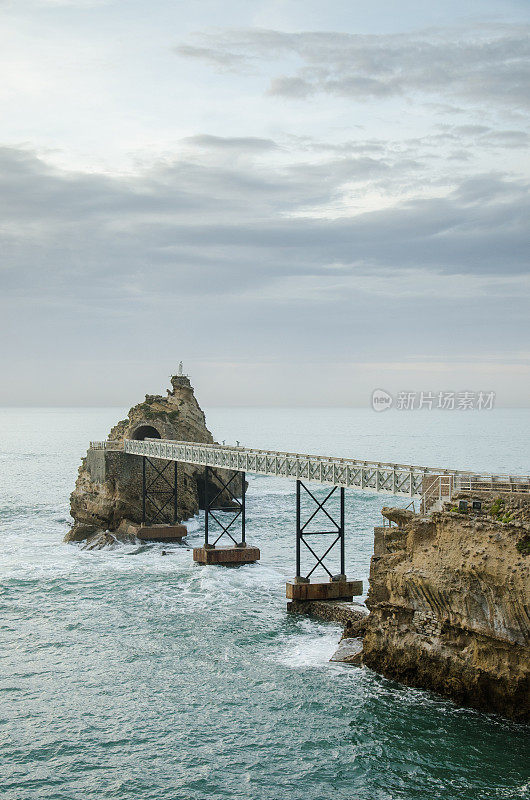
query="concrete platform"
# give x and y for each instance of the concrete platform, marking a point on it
(162, 533)
(226, 555)
(334, 590)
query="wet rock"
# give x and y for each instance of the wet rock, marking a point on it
(79, 532)
(100, 540)
(349, 651)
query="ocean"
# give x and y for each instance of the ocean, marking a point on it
(128, 674)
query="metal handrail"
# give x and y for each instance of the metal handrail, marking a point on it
(441, 490)
(108, 444)
(470, 475)
(381, 477)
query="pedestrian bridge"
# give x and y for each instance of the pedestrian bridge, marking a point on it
(370, 476)
(430, 486)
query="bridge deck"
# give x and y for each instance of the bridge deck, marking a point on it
(371, 476)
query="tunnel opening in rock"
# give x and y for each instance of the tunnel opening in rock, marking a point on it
(146, 432)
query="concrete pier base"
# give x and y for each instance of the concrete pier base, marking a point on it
(162, 533)
(347, 613)
(334, 590)
(226, 555)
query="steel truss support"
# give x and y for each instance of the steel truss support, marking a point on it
(237, 513)
(302, 532)
(159, 492)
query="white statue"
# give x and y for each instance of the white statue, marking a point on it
(180, 368)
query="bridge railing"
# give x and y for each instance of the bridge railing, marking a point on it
(492, 483)
(108, 444)
(436, 491)
(365, 475)
(372, 476)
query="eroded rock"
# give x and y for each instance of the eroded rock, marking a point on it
(400, 516)
(108, 491)
(449, 604)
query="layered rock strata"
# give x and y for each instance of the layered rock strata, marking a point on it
(449, 602)
(108, 491)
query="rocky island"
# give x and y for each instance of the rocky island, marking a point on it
(106, 503)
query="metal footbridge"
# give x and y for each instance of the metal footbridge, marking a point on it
(224, 496)
(370, 476)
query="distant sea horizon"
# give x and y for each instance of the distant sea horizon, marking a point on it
(493, 440)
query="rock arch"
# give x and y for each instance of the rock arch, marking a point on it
(145, 432)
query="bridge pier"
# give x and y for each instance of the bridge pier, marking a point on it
(159, 492)
(338, 586)
(160, 502)
(238, 552)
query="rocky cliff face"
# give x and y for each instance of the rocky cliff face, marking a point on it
(449, 603)
(177, 416)
(108, 491)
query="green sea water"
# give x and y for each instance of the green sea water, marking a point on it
(128, 674)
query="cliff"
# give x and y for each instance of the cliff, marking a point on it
(449, 603)
(108, 490)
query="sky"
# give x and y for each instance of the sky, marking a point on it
(302, 201)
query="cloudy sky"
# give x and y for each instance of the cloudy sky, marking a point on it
(302, 200)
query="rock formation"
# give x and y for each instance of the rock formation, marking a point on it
(449, 603)
(108, 491)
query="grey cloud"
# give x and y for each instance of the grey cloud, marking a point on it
(373, 147)
(486, 135)
(187, 258)
(460, 155)
(291, 87)
(471, 130)
(509, 138)
(212, 55)
(185, 186)
(233, 143)
(464, 141)
(478, 63)
(336, 172)
(190, 231)
(488, 189)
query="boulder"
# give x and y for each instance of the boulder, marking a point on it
(401, 516)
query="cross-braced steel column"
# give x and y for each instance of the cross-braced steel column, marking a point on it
(237, 513)
(302, 532)
(156, 500)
